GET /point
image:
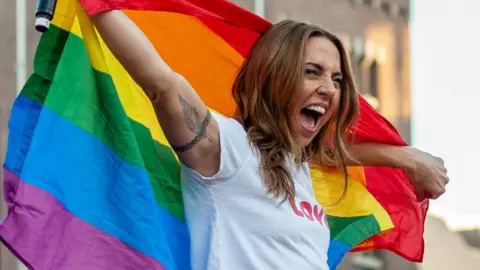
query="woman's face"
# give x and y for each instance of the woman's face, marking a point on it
(319, 95)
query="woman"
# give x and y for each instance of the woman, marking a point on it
(296, 100)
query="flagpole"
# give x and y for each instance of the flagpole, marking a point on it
(259, 8)
(21, 43)
(20, 59)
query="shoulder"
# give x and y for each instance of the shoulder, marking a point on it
(229, 123)
(235, 149)
(233, 136)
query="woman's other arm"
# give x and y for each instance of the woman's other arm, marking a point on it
(427, 172)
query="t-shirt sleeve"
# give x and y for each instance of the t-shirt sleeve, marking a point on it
(234, 151)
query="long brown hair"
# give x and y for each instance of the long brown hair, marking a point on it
(264, 91)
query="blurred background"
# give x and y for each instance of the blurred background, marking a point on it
(415, 62)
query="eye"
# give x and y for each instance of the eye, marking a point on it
(311, 71)
(338, 81)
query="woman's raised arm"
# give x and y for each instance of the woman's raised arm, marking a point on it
(188, 125)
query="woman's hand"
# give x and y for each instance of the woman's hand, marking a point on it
(427, 174)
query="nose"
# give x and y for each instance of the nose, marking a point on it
(326, 87)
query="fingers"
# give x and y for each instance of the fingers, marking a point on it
(443, 170)
(441, 163)
(438, 189)
(420, 192)
(437, 194)
(430, 180)
(446, 180)
(432, 189)
(440, 160)
(443, 177)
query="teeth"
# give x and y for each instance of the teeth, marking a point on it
(317, 109)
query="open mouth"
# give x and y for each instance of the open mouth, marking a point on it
(309, 116)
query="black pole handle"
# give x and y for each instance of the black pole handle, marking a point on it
(44, 14)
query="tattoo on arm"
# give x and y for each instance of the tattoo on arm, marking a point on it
(194, 124)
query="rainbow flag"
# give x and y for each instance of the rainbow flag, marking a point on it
(90, 180)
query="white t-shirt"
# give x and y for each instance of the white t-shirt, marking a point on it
(233, 222)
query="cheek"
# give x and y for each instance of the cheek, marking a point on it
(334, 101)
(333, 108)
(308, 87)
(301, 95)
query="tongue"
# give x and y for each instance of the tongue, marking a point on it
(307, 120)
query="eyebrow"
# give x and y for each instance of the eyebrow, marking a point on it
(321, 68)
